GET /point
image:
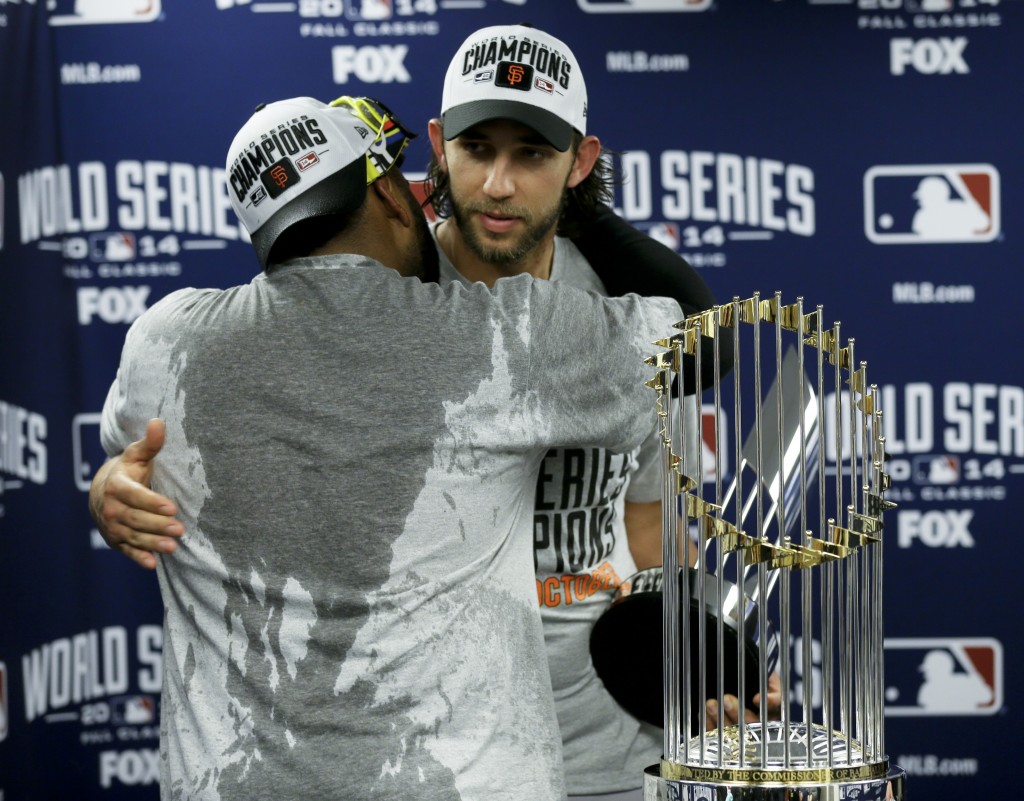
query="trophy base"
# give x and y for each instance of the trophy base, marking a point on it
(785, 764)
(887, 788)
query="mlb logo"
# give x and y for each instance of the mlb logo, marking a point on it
(134, 710)
(665, 232)
(87, 453)
(941, 469)
(368, 9)
(112, 247)
(4, 716)
(937, 203)
(634, 6)
(421, 187)
(544, 86)
(307, 161)
(714, 449)
(943, 677)
(96, 12)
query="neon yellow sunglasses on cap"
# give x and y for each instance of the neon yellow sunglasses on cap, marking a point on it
(390, 136)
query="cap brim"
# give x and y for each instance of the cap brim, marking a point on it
(556, 131)
(341, 193)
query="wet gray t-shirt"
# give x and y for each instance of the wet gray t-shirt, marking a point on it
(352, 613)
(581, 556)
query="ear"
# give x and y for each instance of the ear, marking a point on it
(437, 142)
(387, 193)
(586, 157)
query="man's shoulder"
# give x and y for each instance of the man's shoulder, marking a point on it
(180, 299)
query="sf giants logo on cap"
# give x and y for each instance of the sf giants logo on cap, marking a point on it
(278, 177)
(514, 76)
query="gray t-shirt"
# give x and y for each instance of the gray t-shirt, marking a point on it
(581, 556)
(352, 609)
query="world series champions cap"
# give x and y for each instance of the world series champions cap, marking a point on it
(519, 73)
(299, 158)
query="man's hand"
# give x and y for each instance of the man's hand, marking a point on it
(131, 517)
(731, 713)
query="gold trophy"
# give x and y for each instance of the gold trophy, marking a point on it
(760, 555)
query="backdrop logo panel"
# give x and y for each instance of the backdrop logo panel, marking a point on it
(943, 56)
(23, 452)
(943, 677)
(932, 203)
(336, 19)
(934, 528)
(634, 6)
(369, 9)
(105, 683)
(94, 12)
(923, 15)
(949, 443)
(112, 304)
(86, 451)
(131, 767)
(916, 292)
(129, 219)
(703, 202)
(370, 64)
(714, 442)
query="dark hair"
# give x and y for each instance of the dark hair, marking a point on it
(581, 202)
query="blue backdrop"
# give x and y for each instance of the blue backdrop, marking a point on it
(861, 153)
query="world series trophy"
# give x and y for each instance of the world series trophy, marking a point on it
(761, 553)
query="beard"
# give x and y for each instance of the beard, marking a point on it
(536, 227)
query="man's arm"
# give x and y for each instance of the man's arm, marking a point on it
(628, 260)
(131, 517)
(643, 533)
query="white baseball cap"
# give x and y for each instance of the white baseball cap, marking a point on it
(299, 158)
(520, 73)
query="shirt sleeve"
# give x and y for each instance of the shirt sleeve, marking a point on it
(118, 426)
(587, 361)
(628, 260)
(645, 483)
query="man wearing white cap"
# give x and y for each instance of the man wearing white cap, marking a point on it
(509, 148)
(350, 613)
(513, 165)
